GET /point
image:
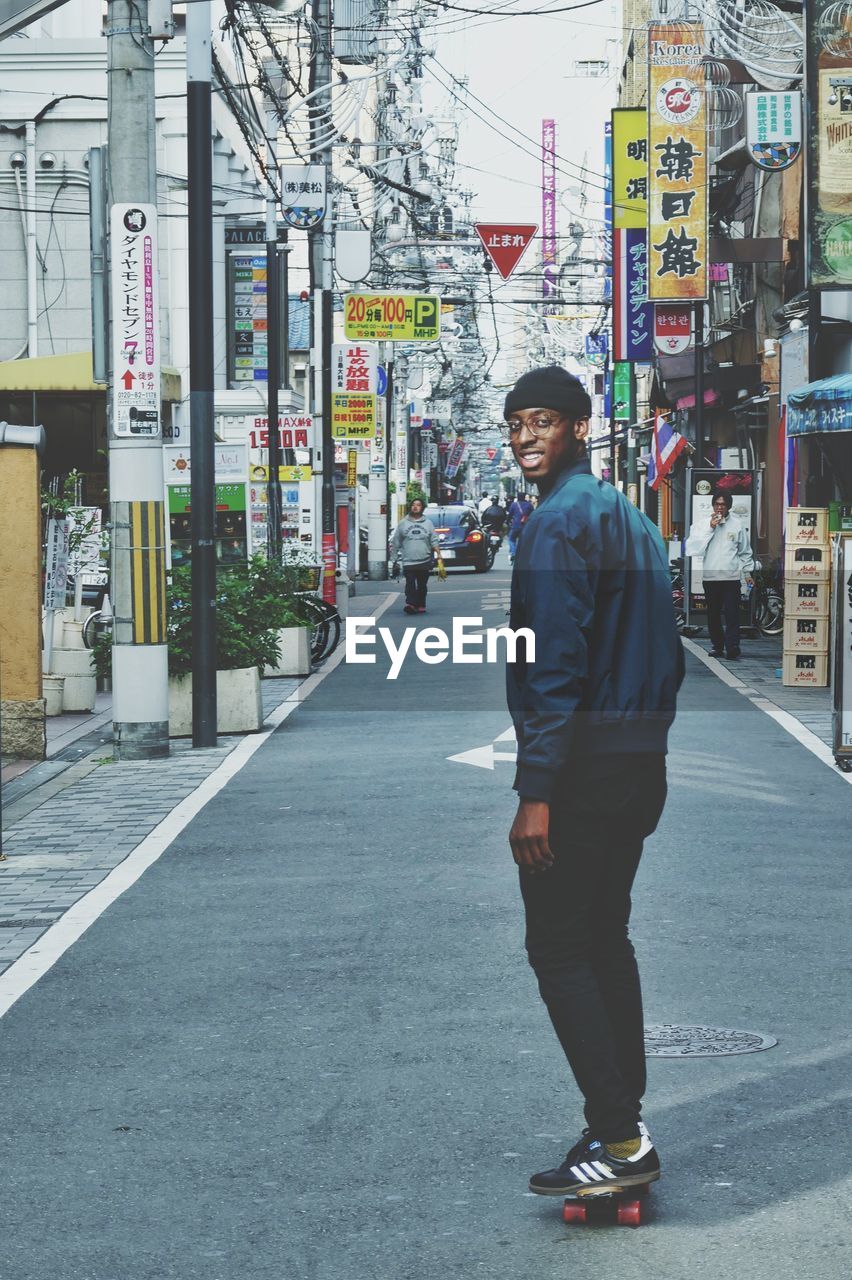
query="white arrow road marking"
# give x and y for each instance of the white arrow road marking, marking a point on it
(486, 757)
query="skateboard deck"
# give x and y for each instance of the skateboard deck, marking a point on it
(622, 1205)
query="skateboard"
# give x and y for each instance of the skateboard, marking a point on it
(622, 1205)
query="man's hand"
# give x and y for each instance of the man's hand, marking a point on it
(714, 520)
(529, 836)
(749, 580)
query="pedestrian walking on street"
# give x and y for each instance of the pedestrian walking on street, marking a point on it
(592, 711)
(723, 543)
(415, 542)
(519, 512)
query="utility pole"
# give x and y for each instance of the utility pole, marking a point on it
(273, 334)
(140, 699)
(377, 486)
(699, 383)
(322, 280)
(199, 141)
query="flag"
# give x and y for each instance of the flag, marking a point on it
(667, 447)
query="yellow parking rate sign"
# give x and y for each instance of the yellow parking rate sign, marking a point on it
(392, 317)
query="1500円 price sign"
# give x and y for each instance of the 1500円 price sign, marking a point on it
(392, 317)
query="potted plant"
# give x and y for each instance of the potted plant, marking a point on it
(245, 645)
(278, 589)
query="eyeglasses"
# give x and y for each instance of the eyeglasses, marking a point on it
(541, 425)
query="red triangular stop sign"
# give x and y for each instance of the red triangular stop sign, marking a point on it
(492, 454)
(505, 242)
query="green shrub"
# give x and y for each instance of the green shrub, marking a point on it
(245, 622)
(253, 602)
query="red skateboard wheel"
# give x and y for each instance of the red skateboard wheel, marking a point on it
(629, 1213)
(573, 1212)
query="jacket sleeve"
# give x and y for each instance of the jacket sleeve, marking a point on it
(396, 543)
(699, 539)
(559, 608)
(744, 552)
(434, 540)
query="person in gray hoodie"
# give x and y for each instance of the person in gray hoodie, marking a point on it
(723, 543)
(414, 542)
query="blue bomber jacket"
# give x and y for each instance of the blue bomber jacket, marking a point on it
(592, 582)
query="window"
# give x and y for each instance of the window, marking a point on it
(591, 67)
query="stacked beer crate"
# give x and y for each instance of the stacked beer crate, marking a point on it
(807, 597)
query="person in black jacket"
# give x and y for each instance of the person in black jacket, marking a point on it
(591, 709)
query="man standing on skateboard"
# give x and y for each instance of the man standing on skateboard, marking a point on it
(591, 715)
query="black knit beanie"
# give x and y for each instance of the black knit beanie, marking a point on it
(549, 388)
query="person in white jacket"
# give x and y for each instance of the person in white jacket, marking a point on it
(723, 542)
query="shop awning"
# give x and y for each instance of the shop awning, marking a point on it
(821, 407)
(69, 373)
(49, 373)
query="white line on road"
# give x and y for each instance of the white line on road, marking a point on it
(786, 720)
(55, 941)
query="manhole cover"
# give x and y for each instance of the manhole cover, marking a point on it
(672, 1041)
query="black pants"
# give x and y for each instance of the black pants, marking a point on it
(723, 598)
(416, 581)
(577, 940)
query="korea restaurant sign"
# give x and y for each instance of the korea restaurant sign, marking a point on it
(392, 317)
(829, 142)
(677, 157)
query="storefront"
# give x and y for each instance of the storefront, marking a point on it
(820, 413)
(230, 524)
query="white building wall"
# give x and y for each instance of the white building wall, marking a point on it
(34, 72)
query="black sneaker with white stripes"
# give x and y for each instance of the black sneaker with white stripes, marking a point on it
(590, 1167)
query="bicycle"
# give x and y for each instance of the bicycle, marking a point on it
(325, 623)
(768, 603)
(325, 620)
(94, 625)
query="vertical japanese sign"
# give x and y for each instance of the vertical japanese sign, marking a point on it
(621, 391)
(548, 208)
(607, 256)
(677, 157)
(774, 128)
(455, 457)
(134, 298)
(354, 367)
(249, 335)
(829, 144)
(56, 563)
(630, 167)
(303, 194)
(354, 375)
(632, 315)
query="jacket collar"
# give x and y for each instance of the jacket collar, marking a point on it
(582, 466)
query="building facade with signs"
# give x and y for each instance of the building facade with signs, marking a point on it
(53, 104)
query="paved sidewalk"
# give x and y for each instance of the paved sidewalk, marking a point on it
(71, 819)
(760, 668)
